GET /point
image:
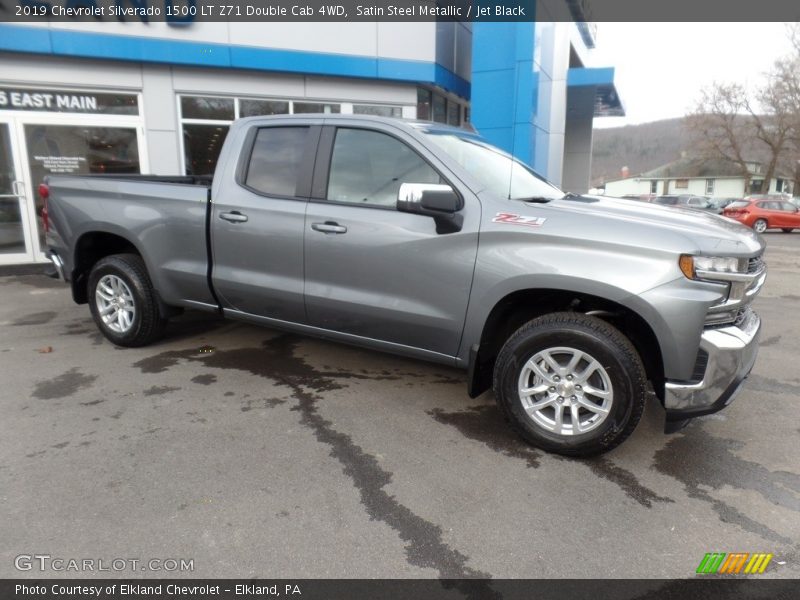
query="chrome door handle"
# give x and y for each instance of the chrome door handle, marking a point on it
(329, 227)
(18, 188)
(234, 216)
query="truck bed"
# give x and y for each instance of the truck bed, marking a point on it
(166, 215)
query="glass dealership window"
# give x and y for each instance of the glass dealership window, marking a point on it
(78, 150)
(261, 108)
(377, 110)
(209, 109)
(202, 145)
(12, 237)
(424, 104)
(453, 113)
(439, 109)
(315, 107)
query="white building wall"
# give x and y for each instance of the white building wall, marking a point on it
(622, 187)
(729, 188)
(724, 187)
(551, 63)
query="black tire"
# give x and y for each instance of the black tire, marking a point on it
(756, 225)
(603, 342)
(787, 229)
(147, 324)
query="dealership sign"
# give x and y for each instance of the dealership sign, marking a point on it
(68, 101)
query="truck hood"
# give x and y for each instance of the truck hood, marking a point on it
(710, 234)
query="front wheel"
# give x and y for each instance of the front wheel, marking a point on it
(123, 302)
(570, 384)
(760, 226)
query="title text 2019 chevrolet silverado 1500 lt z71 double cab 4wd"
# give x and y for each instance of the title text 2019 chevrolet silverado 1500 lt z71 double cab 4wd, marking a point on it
(426, 241)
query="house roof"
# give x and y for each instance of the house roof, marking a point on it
(687, 167)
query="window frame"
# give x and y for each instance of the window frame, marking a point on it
(303, 186)
(322, 169)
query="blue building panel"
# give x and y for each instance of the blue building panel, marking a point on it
(491, 110)
(25, 39)
(82, 44)
(514, 92)
(504, 85)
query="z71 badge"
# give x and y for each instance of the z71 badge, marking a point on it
(512, 219)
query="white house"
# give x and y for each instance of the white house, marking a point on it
(699, 177)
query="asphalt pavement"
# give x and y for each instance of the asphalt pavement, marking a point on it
(253, 453)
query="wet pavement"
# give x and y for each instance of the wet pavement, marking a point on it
(257, 453)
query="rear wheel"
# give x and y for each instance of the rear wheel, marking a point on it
(787, 230)
(122, 301)
(570, 384)
(760, 226)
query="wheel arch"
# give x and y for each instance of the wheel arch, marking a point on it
(518, 307)
(89, 248)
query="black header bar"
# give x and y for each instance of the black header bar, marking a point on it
(185, 12)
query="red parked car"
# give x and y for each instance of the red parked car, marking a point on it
(762, 214)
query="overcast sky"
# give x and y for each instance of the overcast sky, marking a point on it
(661, 67)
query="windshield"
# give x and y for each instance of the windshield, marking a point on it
(498, 171)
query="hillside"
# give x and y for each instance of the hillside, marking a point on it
(639, 147)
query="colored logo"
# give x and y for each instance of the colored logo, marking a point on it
(734, 563)
(514, 219)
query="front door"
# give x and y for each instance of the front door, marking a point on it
(372, 271)
(15, 232)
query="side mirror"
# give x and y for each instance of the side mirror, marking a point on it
(432, 200)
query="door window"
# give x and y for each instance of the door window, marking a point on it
(276, 160)
(368, 167)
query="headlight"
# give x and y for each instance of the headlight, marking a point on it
(694, 266)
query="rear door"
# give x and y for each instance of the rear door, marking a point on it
(258, 221)
(773, 213)
(372, 271)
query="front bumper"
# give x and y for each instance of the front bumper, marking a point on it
(731, 355)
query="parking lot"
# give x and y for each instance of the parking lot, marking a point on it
(257, 453)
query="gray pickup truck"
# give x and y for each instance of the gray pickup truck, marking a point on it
(426, 241)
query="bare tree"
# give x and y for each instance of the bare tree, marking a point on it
(733, 124)
(719, 128)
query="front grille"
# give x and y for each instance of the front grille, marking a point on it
(755, 264)
(739, 318)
